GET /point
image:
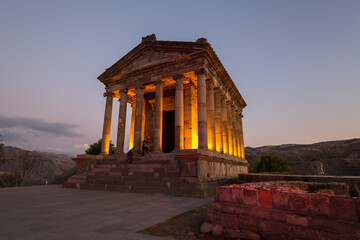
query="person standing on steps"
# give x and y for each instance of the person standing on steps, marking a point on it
(145, 147)
(148, 141)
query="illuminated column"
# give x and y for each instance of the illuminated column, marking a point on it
(202, 117)
(158, 116)
(179, 113)
(210, 114)
(190, 117)
(241, 135)
(138, 118)
(233, 117)
(105, 144)
(218, 121)
(238, 134)
(224, 124)
(121, 122)
(230, 132)
(132, 125)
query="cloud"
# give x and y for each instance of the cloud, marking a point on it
(81, 146)
(37, 126)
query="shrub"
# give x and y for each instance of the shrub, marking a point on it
(95, 148)
(269, 163)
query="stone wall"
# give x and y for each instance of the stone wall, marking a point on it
(265, 177)
(270, 211)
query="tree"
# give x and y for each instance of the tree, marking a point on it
(269, 163)
(21, 165)
(95, 148)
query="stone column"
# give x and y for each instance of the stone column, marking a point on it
(179, 113)
(210, 114)
(238, 134)
(158, 121)
(235, 142)
(202, 117)
(230, 131)
(105, 144)
(190, 117)
(241, 135)
(224, 124)
(121, 123)
(138, 118)
(132, 125)
(218, 121)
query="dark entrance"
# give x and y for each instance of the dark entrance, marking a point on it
(168, 132)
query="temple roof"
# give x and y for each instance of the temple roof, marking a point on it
(152, 52)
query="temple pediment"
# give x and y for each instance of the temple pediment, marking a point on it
(148, 58)
(151, 53)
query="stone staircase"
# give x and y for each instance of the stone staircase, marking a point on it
(154, 174)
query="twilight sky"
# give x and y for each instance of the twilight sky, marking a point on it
(296, 63)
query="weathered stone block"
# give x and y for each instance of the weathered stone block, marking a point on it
(229, 221)
(237, 196)
(217, 217)
(264, 199)
(319, 204)
(297, 220)
(209, 216)
(299, 203)
(250, 197)
(275, 230)
(248, 223)
(322, 223)
(304, 233)
(358, 208)
(280, 200)
(223, 194)
(343, 208)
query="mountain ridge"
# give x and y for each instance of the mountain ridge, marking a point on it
(339, 157)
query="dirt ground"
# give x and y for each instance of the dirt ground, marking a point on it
(185, 226)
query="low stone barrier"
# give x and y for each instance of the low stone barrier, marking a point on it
(265, 177)
(277, 211)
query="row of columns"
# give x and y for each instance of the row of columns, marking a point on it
(219, 123)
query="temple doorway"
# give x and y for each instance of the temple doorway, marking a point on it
(168, 132)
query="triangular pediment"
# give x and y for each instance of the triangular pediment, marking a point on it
(148, 58)
(148, 54)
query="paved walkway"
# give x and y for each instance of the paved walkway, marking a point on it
(51, 212)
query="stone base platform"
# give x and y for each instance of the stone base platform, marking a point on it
(182, 173)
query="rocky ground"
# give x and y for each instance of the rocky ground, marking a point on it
(185, 226)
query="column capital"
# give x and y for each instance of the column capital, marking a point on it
(124, 90)
(222, 93)
(178, 77)
(109, 94)
(140, 86)
(200, 71)
(210, 80)
(217, 90)
(158, 82)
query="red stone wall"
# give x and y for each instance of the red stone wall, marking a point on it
(274, 212)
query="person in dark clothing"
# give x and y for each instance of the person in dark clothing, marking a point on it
(145, 147)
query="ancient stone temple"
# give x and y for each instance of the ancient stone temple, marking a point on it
(182, 97)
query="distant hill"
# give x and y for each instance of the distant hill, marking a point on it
(52, 165)
(337, 157)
